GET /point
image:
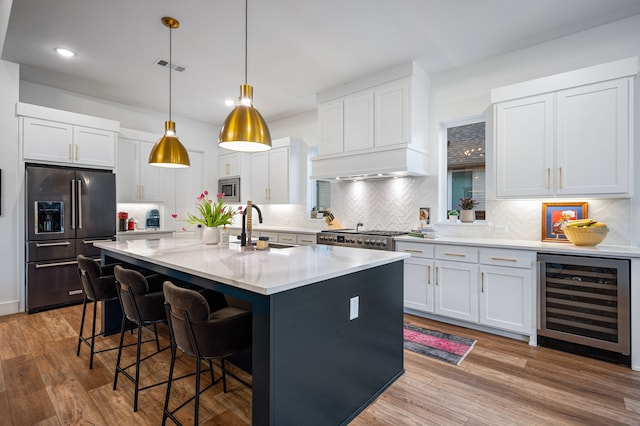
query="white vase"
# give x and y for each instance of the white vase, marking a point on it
(467, 216)
(210, 235)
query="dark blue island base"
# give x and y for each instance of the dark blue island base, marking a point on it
(312, 364)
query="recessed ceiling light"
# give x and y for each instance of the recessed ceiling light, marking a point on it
(229, 102)
(65, 52)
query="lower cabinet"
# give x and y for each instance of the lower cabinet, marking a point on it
(478, 285)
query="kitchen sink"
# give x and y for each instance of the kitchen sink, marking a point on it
(271, 245)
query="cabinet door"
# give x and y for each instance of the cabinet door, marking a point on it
(127, 170)
(278, 192)
(331, 128)
(151, 185)
(189, 184)
(392, 113)
(287, 238)
(358, 122)
(456, 288)
(418, 284)
(47, 140)
(229, 165)
(506, 298)
(260, 177)
(94, 147)
(593, 146)
(524, 147)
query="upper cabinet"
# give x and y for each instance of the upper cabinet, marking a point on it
(566, 141)
(136, 180)
(60, 137)
(279, 176)
(376, 125)
(229, 165)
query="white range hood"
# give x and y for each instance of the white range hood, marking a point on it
(381, 163)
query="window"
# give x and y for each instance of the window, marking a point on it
(466, 164)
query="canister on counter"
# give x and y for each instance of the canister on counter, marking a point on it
(263, 243)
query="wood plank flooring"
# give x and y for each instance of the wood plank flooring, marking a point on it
(501, 382)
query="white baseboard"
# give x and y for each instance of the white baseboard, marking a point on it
(10, 307)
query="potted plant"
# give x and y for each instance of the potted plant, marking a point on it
(467, 214)
(212, 215)
(453, 216)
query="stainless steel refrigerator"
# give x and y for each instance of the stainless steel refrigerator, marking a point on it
(68, 209)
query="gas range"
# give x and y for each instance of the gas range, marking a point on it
(376, 240)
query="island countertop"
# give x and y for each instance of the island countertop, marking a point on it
(262, 272)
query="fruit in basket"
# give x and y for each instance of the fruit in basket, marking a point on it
(585, 223)
(585, 232)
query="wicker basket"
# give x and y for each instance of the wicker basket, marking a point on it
(587, 236)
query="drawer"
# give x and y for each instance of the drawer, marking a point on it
(273, 236)
(457, 253)
(287, 238)
(51, 249)
(306, 239)
(513, 258)
(415, 249)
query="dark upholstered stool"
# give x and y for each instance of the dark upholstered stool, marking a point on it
(142, 303)
(99, 285)
(204, 335)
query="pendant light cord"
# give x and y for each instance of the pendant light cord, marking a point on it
(170, 69)
(246, 37)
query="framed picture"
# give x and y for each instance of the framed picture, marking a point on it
(425, 215)
(557, 215)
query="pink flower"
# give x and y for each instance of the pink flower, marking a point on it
(200, 197)
(206, 192)
(175, 216)
(184, 228)
(219, 195)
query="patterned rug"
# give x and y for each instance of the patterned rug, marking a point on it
(442, 346)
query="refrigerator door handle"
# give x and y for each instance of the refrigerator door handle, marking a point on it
(79, 203)
(73, 204)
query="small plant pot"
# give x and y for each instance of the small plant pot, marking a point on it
(467, 216)
(453, 218)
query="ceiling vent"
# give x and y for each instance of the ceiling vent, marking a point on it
(165, 63)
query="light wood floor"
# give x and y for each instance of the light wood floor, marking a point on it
(501, 382)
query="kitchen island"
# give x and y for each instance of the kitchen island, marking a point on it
(327, 321)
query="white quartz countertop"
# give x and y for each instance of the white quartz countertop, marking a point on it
(263, 272)
(149, 231)
(601, 250)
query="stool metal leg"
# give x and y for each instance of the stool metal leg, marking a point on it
(84, 311)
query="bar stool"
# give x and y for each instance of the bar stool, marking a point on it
(204, 335)
(142, 303)
(99, 285)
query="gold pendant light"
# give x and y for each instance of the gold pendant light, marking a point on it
(245, 129)
(168, 151)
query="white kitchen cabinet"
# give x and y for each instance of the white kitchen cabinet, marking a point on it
(418, 276)
(359, 121)
(331, 127)
(189, 183)
(507, 291)
(56, 142)
(575, 140)
(136, 180)
(456, 282)
(377, 117)
(278, 176)
(229, 165)
(374, 125)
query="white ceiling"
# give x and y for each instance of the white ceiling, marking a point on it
(296, 48)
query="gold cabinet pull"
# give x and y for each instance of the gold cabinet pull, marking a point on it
(506, 259)
(455, 254)
(70, 158)
(548, 177)
(560, 179)
(412, 251)
(77, 152)
(227, 169)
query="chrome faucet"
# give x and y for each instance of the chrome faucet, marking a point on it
(243, 234)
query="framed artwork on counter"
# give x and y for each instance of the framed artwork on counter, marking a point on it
(556, 215)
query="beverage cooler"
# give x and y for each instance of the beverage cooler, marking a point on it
(585, 306)
(67, 211)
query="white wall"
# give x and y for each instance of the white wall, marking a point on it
(12, 242)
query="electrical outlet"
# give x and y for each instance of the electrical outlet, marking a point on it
(354, 306)
(501, 229)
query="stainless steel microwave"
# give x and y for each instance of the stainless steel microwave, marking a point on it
(230, 187)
